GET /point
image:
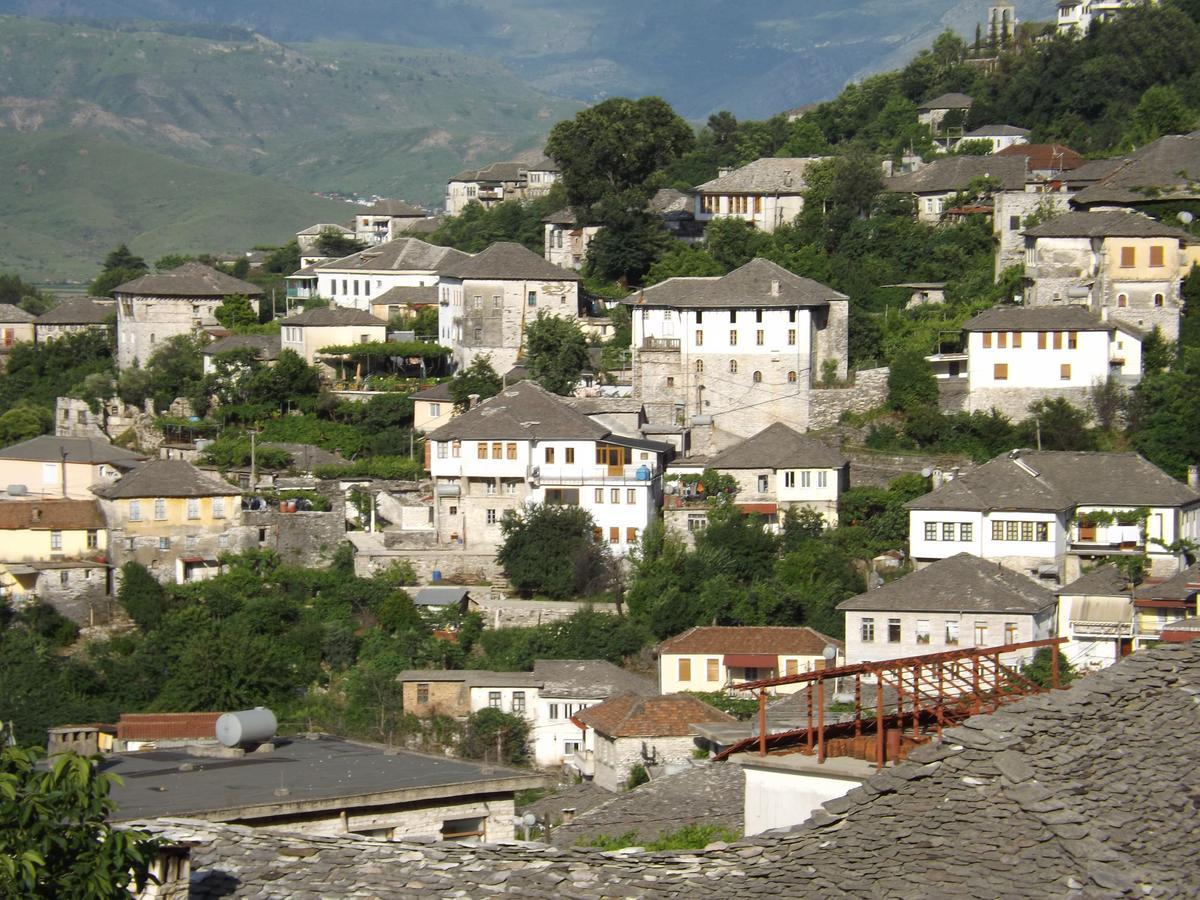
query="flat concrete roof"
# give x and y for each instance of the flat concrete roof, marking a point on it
(318, 773)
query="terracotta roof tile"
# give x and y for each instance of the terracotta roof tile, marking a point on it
(632, 716)
(774, 639)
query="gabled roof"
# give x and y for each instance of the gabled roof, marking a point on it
(11, 313)
(589, 679)
(946, 101)
(1045, 157)
(525, 411)
(759, 284)
(497, 171)
(778, 447)
(439, 391)
(411, 295)
(632, 716)
(1104, 581)
(91, 451)
(985, 131)
(765, 639)
(668, 201)
(78, 312)
(562, 216)
(265, 345)
(396, 208)
(1106, 225)
(1181, 586)
(165, 478)
(322, 227)
(955, 173)
(545, 164)
(58, 515)
(507, 261)
(332, 316)
(404, 254)
(1165, 169)
(1036, 318)
(769, 175)
(1065, 480)
(439, 596)
(192, 279)
(961, 583)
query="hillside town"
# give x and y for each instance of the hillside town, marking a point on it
(831, 525)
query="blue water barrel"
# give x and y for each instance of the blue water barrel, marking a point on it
(643, 473)
(437, 575)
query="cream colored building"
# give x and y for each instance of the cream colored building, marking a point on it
(432, 407)
(16, 327)
(710, 658)
(311, 331)
(767, 193)
(63, 467)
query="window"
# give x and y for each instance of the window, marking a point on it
(759, 337)
(1014, 223)
(1122, 300)
(713, 669)
(733, 317)
(518, 702)
(822, 478)
(333, 288)
(758, 316)
(1002, 339)
(1158, 300)
(490, 488)
(699, 367)
(789, 479)
(494, 699)
(670, 381)
(481, 450)
(160, 509)
(948, 531)
(1041, 340)
(791, 315)
(1000, 372)
(193, 507)
(456, 449)
(696, 521)
(1027, 531)
(614, 535)
(496, 301)
(630, 495)
(1128, 257)
(981, 634)
(55, 540)
(223, 541)
(1010, 632)
(733, 367)
(732, 337)
(1072, 340)
(987, 340)
(164, 543)
(922, 631)
(218, 507)
(893, 631)
(791, 377)
(597, 535)
(510, 488)
(931, 531)
(491, 513)
(699, 338)
(64, 577)
(135, 510)
(997, 531)
(867, 631)
(763, 484)
(1156, 257)
(191, 542)
(1016, 340)
(806, 479)
(757, 377)
(423, 692)
(631, 536)
(952, 633)
(614, 495)
(685, 670)
(1064, 372)
(791, 337)
(443, 449)
(570, 456)
(965, 531)
(497, 450)
(1042, 531)
(599, 495)
(792, 667)
(1012, 531)
(553, 711)
(531, 299)
(510, 451)
(93, 538)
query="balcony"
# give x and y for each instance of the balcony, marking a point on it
(1107, 537)
(592, 474)
(670, 344)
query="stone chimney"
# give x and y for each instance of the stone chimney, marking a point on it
(774, 287)
(568, 815)
(938, 477)
(472, 401)
(1194, 477)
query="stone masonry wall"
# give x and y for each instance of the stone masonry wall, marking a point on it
(614, 759)
(502, 612)
(1014, 402)
(868, 391)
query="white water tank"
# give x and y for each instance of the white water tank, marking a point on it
(247, 726)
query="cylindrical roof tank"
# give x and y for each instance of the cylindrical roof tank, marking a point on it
(247, 726)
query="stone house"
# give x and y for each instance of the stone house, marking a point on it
(959, 601)
(776, 470)
(72, 317)
(934, 113)
(56, 551)
(745, 349)
(1075, 17)
(63, 467)
(359, 281)
(767, 193)
(404, 302)
(307, 238)
(1156, 176)
(1001, 137)
(1121, 264)
(173, 519)
(526, 445)
(1047, 192)
(629, 730)
(308, 333)
(710, 658)
(385, 221)
(949, 176)
(1049, 514)
(155, 307)
(264, 346)
(566, 241)
(1016, 355)
(495, 183)
(489, 299)
(16, 327)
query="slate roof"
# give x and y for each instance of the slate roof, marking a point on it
(305, 457)
(77, 312)
(962, 583)
(985, 131)
(1164, 170)
(166, 478)
(507, 261)
(629, 715)
(1086, 792)
(670, 202)
(1036, 318)
(779, 447)
(440, 596)
(1106, 224)
(91, 451)
(589, 679)
(1066, 479)
(947, 101)
(471, 677)
(595, 406)
(192, 279)
(747, 287)
(1180, 586)
(393, 208)
(769, 175)
(437, 392)
(404, 254)
(332, 316)
(265, 345)
(1104, 581)
(955, 173)
(778, 640)
(57, 515)
(1045, 156)
(426, 295)
(562, 216)
(498, 171)
(12, 313)
(525, 411)
(1092, 171)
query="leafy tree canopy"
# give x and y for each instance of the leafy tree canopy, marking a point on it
(556, 352)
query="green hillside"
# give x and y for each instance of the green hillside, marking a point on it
(69, 198)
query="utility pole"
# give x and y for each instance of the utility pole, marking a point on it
(253, 461)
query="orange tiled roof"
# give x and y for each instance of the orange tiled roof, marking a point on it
(631, 716)
(775, 640)
(167, 726)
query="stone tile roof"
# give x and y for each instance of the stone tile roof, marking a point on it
(769, 175)
(955, 173)
(192, 279)
(595, 406)
(78, 312)
(305, 457)
(1036, 318)
(439, 392)
(779, 447)
(265, 345)
(1064, 480)
(962, 583)
(497, 171)
(985, 131)
(412, 295)
(562, 216)
(1181, 586)
(1106, 581)
(12, 313)
(322, 227)
(507, 261)
(946, 101)
(759, 284)
(773, 639)
(1104, 225)
(670, 202)
(472, 677)
(1164, 170)
(525, 411)
(589, 679)
(439, 596)
(90, 451)
(1043, 157)
(405, 254)
(396, 208)
(57, 515)
(1087, 792)
(332, 316)
(166, 478)
(629, 715)
(1092, 171)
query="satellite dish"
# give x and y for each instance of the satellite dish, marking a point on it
(926, 472)
(1186, 217)
(529, 820)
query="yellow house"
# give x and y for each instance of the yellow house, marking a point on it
(62, 467)
(709, 658)
(314, 329)
(174, 519)
(16, 326)
(432, 407)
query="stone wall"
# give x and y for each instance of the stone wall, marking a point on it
(867, 391)
(614, 758)
(81, 593)
(1014, 402)
(300, 538)
(455, 566)
(503, 612)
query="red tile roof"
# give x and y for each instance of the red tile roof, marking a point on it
(633, 716)
(1043, 157)
(58, 515)
(167, 726)
(775, 640)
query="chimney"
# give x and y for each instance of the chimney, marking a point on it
(938, 477)
(774, 287)
(472, 401)
(568, 815)
(1194, 477)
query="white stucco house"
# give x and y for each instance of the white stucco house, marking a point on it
(767, 193)
(1000, 137)
(710, 658)
(358, 281)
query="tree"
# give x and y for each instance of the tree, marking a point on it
(552, 550)
(57, 840)
(1157, 352)
(119, 266)
(332, 242)
(1061, 426)
(23, 422)
(556, 353)
(626, 247)
(236, 311)
(496, 736)
(479, 379)
(911, 383)
(734, 242)
(142, 597)
(1161, 110)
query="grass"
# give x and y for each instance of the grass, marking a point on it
(689, 837)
